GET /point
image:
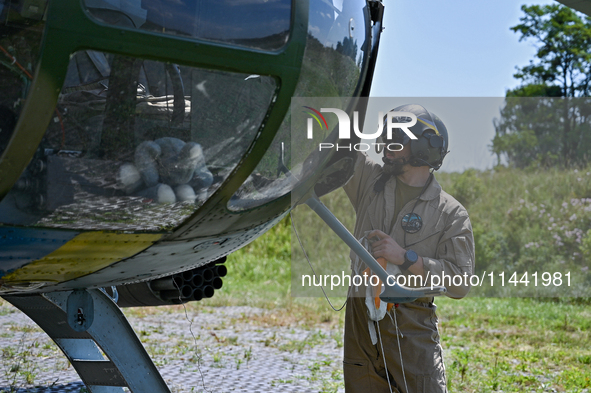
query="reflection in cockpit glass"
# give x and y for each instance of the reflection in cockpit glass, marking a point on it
(334, 59)
(261, 24)
(21, 29)
(138, 144)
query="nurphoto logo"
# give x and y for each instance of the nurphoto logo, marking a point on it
(392, 120)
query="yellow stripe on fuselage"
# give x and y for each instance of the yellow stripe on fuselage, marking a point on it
(86, 253)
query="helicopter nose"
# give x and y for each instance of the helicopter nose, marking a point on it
(169, 103)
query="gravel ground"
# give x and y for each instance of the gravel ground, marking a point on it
(222, 349)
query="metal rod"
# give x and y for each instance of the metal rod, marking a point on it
(393, 292)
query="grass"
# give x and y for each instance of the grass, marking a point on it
(516, 344)
(18, 362)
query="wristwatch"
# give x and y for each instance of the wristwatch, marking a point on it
(410, 258)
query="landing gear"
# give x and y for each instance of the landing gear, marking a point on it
(107, 354)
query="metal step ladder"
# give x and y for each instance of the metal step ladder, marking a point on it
(125, 362)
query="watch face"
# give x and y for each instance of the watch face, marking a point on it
(411, 256)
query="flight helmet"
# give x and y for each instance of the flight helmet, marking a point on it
(432, 143)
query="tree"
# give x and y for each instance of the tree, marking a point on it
(552, 130)
(348, 47)
(563, 58)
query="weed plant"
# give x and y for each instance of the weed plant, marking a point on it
(18, 363)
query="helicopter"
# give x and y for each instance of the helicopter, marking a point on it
(142, 141)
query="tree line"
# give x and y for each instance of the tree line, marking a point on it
(546, 120)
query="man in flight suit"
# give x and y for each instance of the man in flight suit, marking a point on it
(418, 229)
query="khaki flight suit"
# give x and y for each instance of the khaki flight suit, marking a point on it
(446, 244)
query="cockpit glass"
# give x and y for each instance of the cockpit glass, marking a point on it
(21, 30)
(334, 61)
(260, 24)
(137, 144)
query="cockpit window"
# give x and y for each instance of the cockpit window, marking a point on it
(136, 144)
(260, 24)
(335, 56)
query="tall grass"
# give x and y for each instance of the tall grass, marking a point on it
(527, 221)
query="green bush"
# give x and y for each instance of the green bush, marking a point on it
(528, 220)
(467, 187)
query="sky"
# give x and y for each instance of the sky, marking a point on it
(453, 48)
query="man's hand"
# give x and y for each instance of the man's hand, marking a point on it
(386, 247)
